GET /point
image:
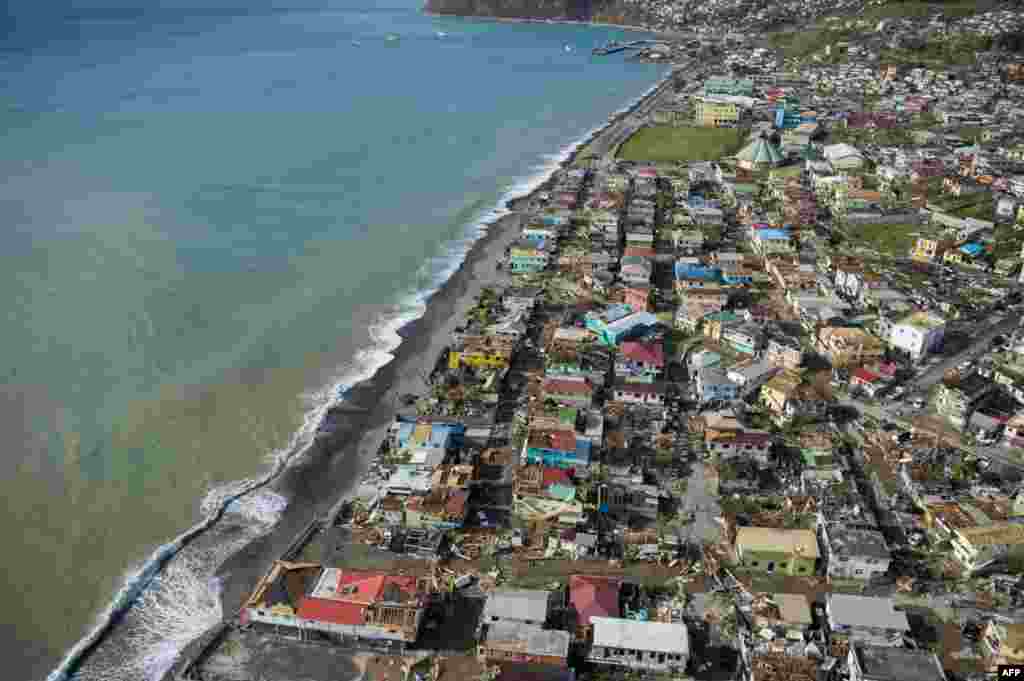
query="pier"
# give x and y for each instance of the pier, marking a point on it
(614, 46)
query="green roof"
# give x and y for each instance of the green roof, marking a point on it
(760, 152)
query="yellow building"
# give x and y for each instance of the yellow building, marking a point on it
(711, 113)
(927, 249)
(481, 352)
(777, 391)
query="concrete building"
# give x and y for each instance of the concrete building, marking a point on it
(771, 550)
(866, 619)
(917, 334)
(528, 606)
(855, 553)
(345, 605)
(509, 641)
(654, 646)
(880, 663)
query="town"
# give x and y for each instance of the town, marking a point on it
(749, 404)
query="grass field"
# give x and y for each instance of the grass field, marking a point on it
(664, 144)
(885, 238)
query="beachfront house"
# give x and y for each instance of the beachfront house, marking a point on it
(526, 257)
(341, 605)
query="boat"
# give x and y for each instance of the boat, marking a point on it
(441, 34)
(567, 47)
(391, 37)
(356, 43)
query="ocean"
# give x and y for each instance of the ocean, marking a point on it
(212, 216)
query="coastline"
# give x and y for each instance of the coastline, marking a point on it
(569, 22)
(316, 476)
(330, 474)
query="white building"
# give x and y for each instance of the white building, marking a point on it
(918, 334)
(659, 646)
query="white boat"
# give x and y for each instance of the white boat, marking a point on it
(567, 47)
(441, 34)
(391, 37)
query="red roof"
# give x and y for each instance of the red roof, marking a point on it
(354, 591)
(755, 439)
(335, 612)
(648, 353)
(639, 251)
(561, 386)
(562, 440)
(594, 596)
(556, 476)
(456, 503)
(865, 376)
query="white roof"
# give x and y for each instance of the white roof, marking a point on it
(834, 152)
(846, 610)
(659, 637)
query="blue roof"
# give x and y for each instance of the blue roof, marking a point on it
(972, 248)
(773, 233)
(616, 312)
(633, 321)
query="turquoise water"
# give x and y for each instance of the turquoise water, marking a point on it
(205, 212)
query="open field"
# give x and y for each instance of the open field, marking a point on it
(885, 238)
(666, 144)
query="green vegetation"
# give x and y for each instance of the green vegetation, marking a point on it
(665, 143)
(884, 237)
(956, 51)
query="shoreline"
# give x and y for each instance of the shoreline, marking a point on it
(317, 476)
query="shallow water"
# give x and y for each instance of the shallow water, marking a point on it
(210, 217)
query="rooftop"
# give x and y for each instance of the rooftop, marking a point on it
(661, 637)
(846, 610)
(802, 542)
(882, 663)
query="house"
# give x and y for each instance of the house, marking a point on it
(843, 157)
(846, 346)
(520, 297)
(787, 396)
(592, 596)
(744, 337)
(750, 374)
(783, 350)
(917, 334)
(340, 604)
(767, 549)
(713, 384)
(768, 241)
(569, 391)
(528, 606)
(439, 509)
(746, 445)
(636, 392)
(481, 352)
(513, 641)
(637, 296)
(629, 499)
(1004, 643)
(930, 248)
(427, 444)
(720, 85)
(715, 112)
(855, 553)
(977, 547)
(867, 381)
(557, 448)
(619, 323)
(636, 644)
(527, 256)
(866, 619)
(644, 361)
(883, 663)
(958, 396)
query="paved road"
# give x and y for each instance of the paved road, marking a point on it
(978, 347)
(703, 505)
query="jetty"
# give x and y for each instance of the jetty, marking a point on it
(615, 46)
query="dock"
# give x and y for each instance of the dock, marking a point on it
(614, 46)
